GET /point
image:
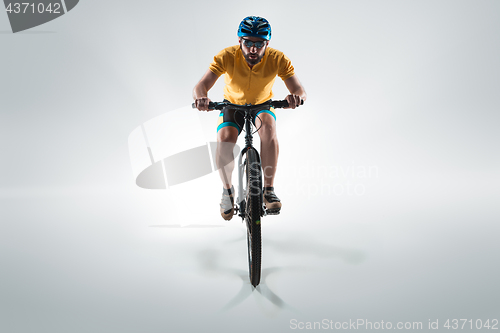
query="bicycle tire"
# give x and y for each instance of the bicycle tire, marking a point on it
(253, 215)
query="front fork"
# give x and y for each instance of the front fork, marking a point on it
(241, 200)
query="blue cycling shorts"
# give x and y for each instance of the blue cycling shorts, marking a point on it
(232, 117)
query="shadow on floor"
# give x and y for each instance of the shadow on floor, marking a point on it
(177, 226)
(209, 262)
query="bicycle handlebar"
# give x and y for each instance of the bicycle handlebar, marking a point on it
(221, 105)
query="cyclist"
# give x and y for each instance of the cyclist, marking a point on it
(250, 70)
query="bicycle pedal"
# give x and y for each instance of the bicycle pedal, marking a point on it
(273, 211)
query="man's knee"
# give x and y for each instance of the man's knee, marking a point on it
(267, 126)
(228, 134)
(267, 132)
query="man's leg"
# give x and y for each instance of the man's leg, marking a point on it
(269, 148)
(269, 151)
(226, 139)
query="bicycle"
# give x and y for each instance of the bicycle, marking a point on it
(249, 203)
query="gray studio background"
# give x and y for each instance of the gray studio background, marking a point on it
(402, 107)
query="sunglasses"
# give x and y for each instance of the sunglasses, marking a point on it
(249, 43)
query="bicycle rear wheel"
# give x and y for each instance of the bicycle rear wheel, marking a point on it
(253, 211)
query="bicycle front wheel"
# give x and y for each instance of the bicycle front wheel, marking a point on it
(253, 211)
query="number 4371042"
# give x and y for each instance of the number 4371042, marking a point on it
(26, 7)
(466, 323)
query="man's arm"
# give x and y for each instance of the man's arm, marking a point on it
(200, 91)
(297, 91)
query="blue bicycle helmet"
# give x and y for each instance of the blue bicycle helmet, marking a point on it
(254, 26)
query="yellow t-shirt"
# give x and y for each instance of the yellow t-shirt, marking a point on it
(250, 85)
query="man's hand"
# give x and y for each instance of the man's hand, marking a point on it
(293, 101)
(201, 89)
(202, 103)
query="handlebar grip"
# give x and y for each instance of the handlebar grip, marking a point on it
(284, 103)
(211, 106)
